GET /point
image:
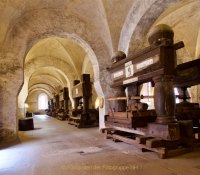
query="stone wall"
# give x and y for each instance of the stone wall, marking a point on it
(94, 29)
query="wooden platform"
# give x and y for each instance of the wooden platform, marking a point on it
(74, 120)
(84, 120)
(62, 116)
(164, 149)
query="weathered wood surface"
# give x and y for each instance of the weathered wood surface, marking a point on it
(82, 93)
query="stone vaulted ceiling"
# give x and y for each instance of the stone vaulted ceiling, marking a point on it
(54, 42)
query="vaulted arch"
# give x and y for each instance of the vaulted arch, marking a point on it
(138, 22)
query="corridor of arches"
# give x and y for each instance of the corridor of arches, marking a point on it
(45, 45)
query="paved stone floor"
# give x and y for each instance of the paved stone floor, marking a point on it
(56, 148)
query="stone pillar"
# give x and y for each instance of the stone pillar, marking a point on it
(164, 99)
(9, 89)
(22, 98)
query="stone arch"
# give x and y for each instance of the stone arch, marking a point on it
(45, 87)
(41, 89)
(37, 24)
(35, 67)
(45, 79)
(27, 31)
(141, 14)
(197, 54)
(54, 64)
(95, 64)
(29, 28)
(183, 17)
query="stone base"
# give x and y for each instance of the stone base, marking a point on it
(7, 135)
(169, 131)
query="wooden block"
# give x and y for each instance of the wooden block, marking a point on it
(168, 131)
(186, 128)
(175, 152)
(145, 150)
(102, 130)
(163, 153)
(108, 136)
(153, 143)
(108, 133)
(116, 140)
(142, 139)
(124, 139)
(172, 144)
(26, 124)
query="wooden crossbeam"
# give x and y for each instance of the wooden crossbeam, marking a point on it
(129, 98)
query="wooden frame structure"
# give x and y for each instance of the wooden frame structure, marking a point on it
(159, 132)
(50, 109)
(63, 111)
(82, 115)
(55, 105)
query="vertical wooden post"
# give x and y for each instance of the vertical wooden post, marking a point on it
(86, 91)
(76, 100)
(66, 99)
(164, 99)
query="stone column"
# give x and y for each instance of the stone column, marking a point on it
(9, 88)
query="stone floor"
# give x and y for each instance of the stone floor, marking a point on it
(56, 148)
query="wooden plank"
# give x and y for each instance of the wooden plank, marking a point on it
(174, 152)
(102, 130)
(122, 121)
(123, 115)
(139, 131)
(159, 150)
(75, 118)
(129, 98)
(120, 125)
(162, 151)
(124, 139)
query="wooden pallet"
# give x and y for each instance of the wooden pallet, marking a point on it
(74, 120)
(163, 148)
(80, 123)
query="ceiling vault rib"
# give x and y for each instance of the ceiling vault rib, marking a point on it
(71, 60)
